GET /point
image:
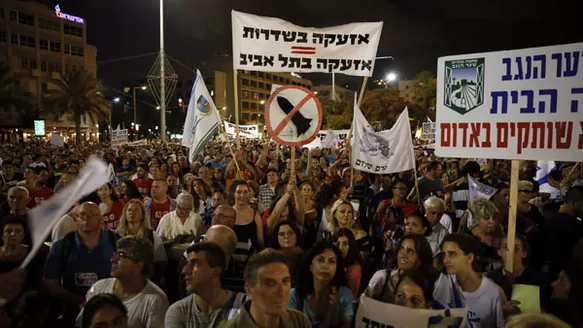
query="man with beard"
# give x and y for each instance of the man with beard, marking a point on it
(143, 183)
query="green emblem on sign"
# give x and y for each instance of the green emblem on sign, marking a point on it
(464, 84)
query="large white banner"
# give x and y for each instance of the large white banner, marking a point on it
(274, 45)
(372, 313)
(518, 104)
(245, 131)
(329, 139)
(385, 152)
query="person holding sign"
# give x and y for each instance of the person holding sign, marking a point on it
(481, 296)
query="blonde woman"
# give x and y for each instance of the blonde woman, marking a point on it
(135, 222)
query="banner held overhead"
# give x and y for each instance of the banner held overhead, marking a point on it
(273, 45)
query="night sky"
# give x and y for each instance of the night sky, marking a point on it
(415, 32)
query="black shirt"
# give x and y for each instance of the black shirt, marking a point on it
(563, 231)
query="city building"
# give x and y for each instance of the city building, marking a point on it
(254, 91)
(38, 43)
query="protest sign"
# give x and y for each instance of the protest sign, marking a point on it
(245, 131)
(428, 131)
(513, 104)
(329, 139)
(273, 45)
(372, 313)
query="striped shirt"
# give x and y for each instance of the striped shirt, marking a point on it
(460, 197)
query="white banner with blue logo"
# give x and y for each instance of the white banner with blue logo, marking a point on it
(202, 118)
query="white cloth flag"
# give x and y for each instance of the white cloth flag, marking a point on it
(202, 118)
(329, 139)
(372, 313)
(480, 190)
(42, 218)
(389, 151)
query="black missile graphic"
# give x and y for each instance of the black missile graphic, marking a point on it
(302, 124)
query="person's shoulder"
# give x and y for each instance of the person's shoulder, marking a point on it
(182, 306)
(299, 319)
(103, 285)
(344, 291)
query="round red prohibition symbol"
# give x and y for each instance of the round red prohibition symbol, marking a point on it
(293, 115)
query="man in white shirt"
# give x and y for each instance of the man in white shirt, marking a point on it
(181, 222)
(131, 264)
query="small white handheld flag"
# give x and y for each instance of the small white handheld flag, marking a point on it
(480, 190)
(43, 218)
(202, 118)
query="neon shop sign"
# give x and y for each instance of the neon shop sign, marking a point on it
(67, 16)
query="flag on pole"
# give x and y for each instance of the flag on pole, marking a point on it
(202, 118)
(389, 151)
(480, 190)
(43, 218)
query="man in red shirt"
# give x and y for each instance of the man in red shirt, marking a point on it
(39, 193)
(143, 183)
(159, 205)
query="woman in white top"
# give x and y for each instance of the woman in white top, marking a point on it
(481, 296)
(414, 255)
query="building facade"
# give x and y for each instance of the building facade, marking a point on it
(254, 91)
(38, 43)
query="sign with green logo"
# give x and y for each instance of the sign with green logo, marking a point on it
(464, 84)
(39, 128)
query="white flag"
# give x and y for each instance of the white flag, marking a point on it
(389, 151)
(480, 190)
(43, 217)
(202, 119)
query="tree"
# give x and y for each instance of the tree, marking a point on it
(424, 94)
(337, 114)
(78, 93)
(12, 94)
(381, 107)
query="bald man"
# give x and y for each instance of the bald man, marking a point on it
(79, 260)
(224, 215)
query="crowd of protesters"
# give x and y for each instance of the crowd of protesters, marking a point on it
(242, 237)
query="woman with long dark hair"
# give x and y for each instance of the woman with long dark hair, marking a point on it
(414, 255)
(110, 206)
(286, 237)
(325, 198)
(322, 293)
(130, 191)
(350, 259)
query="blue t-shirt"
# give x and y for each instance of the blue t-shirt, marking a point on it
(84, 267)
(344, 308)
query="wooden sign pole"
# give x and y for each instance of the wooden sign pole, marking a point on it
(292, 163)
(511, 236)
(236, 103)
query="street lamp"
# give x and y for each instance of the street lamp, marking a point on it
(390, 78)
(116, 99)
(262, 102)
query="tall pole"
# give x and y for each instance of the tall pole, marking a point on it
(333, 86)
(135, 115)
(162, 77)
(236, 98)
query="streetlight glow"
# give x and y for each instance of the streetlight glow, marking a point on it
(262, 102)
(391, 77)
(116, 99)
(224, 107)
(158, 107)
(144, 87)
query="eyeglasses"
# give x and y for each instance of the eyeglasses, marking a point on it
(121, 256)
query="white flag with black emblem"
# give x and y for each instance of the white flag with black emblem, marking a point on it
(384, 152)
